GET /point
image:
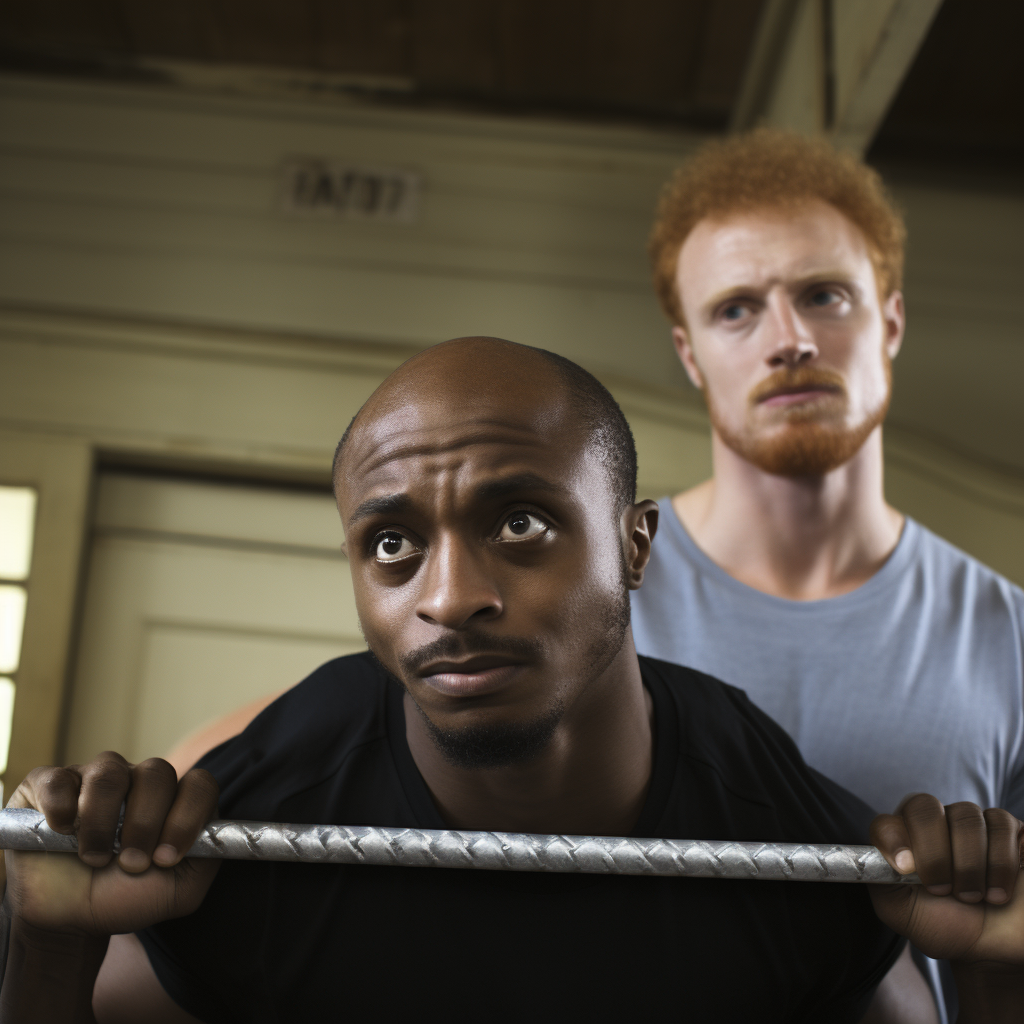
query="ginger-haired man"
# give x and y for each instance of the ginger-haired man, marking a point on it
(892, 658)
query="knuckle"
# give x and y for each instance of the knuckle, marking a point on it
(108, 782)
(202, 784)
(40, 774)
(968, 830)
(158, 769)
(922, 808)
(964, 811)
(52, 776)
(887, 826)
(999, 820)
(109, 757)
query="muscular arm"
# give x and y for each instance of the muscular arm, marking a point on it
(127, 990)
(903, 997)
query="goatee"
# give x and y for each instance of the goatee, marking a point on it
(809, 442)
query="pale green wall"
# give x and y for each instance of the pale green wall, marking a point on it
(157, 302)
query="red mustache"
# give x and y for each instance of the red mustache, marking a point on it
(803, 378)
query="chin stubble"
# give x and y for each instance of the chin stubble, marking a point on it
(507, 744)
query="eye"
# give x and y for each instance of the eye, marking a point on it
(522, 526)
(391, 546)
(825, 297)
(734, 311)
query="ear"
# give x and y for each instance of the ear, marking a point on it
(684, 350)
(895, 321)
(639, 525)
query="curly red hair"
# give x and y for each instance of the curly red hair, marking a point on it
(769, 168)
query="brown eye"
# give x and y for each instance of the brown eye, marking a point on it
(522, 526)
(391, 546)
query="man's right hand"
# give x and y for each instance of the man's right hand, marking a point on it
(92, 894)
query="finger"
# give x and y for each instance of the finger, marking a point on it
(1003, 854)
(968, 838)
(54, 791)
(154, 786)
(925, 819)
(194, 805)
(105, 783)
(889, 834)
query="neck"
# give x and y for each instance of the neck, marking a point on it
(590, 779)
(803, 539)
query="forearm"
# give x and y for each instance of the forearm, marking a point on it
(49, 976)
(990, 994)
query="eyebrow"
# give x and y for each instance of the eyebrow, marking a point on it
(512, 484)
(399, 504)
(386, 505)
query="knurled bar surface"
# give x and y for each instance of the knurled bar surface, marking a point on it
(23, 829)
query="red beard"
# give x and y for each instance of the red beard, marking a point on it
(809, 442)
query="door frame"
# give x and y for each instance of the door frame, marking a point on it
(61, 471)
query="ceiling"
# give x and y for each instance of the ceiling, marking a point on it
(676, 62)
(962, 101)
(679, 60)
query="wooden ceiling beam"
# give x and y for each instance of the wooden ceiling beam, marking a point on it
(831, 66)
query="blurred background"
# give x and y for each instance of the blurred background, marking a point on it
(223, 223)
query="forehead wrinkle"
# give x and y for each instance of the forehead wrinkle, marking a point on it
(392, 449)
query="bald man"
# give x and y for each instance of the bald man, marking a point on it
(488, 496)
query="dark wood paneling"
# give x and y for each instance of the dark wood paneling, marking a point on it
(675, 59)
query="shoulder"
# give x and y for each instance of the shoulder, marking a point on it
(947, 565)
(304, 735)
(732, 743)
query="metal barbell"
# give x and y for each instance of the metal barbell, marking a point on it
(26, 829)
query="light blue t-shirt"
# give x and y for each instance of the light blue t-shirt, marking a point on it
(913, 682)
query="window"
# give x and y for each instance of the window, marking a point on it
(17, 520)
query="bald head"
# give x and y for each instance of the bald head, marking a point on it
(492, 380)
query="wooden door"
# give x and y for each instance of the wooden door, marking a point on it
(201, 597)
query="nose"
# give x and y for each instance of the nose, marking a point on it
(790, 342)
(457, 586)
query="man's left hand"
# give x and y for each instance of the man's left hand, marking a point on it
(969, 907)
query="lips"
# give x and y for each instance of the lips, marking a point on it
(483, 673)
(792, 395)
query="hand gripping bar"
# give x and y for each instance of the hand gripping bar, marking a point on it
(26, 829)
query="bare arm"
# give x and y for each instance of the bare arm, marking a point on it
(49, 975)
(188, 751)
(127, 990)
(903, 996)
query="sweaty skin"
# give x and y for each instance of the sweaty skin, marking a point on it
(490, 562)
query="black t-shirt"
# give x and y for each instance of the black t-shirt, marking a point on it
(304, 942)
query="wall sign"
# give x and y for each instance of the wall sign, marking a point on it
(350, 191)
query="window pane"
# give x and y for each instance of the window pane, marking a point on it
(12, 618)
(17, 517)
(6, 710)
